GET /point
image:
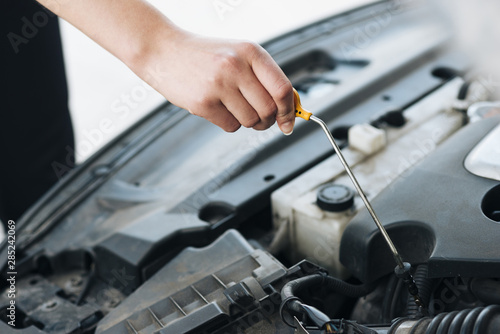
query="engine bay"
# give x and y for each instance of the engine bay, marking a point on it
(175, 227)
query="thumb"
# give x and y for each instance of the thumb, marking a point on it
(286, 118)
(278, 86)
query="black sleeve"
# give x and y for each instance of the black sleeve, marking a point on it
(36, 136)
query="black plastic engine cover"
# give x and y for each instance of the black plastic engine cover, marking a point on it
(221, 288)
(433, 214)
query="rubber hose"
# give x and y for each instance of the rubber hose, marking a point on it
(480, 320)
(390, 291)
(424, 285)
(332, 284)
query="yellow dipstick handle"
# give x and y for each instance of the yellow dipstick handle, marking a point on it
(299, 111)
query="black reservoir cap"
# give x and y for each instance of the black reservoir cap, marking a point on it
(335, 198)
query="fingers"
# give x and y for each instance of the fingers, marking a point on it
(263, 104)
(241, 109)
(219, 116)
(278, 87)
(256, 91)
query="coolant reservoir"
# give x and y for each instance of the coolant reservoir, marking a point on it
(320, 223)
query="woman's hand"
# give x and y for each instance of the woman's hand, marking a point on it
(230, 83)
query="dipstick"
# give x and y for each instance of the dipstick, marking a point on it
(403, 269)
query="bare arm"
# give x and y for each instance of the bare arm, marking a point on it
(230, 83)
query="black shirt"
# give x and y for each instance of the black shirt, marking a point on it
(35, 126)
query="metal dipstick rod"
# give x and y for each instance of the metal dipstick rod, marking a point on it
(360, 191)
(403, 268)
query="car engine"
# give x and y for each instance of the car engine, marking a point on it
(176, 227)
